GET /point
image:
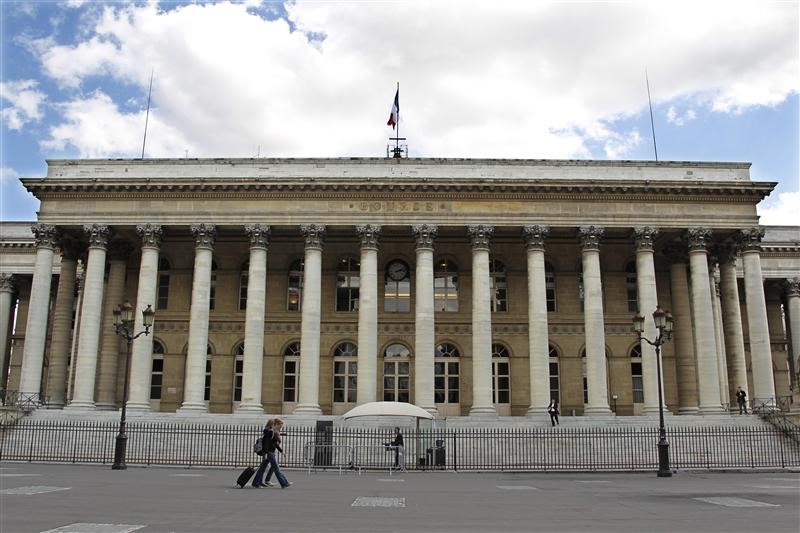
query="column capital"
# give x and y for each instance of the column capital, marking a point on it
(151, 235)
(480, 235)
(314, 235)
(45, 235)
(676, 253)
(98, 235)
(7, 283)
(643, 237)
(792, 287)
(259, 235)
(369, 234)
(204, 235)
(698, 239)
(726, 254)
(424, 235)
(535, 235)
(590, 237)
(749, 239)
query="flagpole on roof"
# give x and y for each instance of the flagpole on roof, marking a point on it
(650, 104)
(397, 141)
(147, 115)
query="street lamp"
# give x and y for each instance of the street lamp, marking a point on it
(663, 322)
(124, 325)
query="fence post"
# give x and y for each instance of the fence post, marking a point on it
(455, 450)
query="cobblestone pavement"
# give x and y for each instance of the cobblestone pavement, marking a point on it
(69, 499)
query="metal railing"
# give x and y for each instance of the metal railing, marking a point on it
(15, 405)
(482, 449)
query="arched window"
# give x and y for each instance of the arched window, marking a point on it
(555, 380)
(207, 384)
(631, 289)
(294, 296)
(396, 378)
(500, 374)
(157, 372)
(445, 286)
(345, 373)
(348, 281)
(212, 289)
(244, 277)
(397, 288)
(291, 364)
(163, 283)
(497, 274)
(238, 372)
(637, 382)
(446, 367)
(550, 287)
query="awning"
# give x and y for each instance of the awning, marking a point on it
(387, 409)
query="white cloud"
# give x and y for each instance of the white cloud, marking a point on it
(530, 79)
(674, 116)
(25, 102)
(783, 211)
(8, 174)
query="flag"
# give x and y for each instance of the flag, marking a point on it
(394, 115)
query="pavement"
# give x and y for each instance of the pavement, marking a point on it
(95, 499)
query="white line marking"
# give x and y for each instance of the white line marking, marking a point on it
(735, 502)
(590, 481)
(371, 501)
(187, 475)
(795, 479)
(391, 480)
(516, 487)
(83, 527)
(36, 489)
(20, 475)
(773, 487)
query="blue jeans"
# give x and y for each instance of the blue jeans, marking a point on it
(257, 480)
(274, 468)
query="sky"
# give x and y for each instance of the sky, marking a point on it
(504, 79)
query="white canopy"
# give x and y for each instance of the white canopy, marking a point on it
(387, 409)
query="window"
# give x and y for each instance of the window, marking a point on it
(397, 288)
(212, 288)
(445, 286)
(500, 374)
(238, 372)
(555, 387)
(163, 283)
(157, 371)
(497, 273)
(291, 363)
(294, 296)
(445, 374)
(207, 385)
(396, 378)
(345, 373)
(244, 276)
(637, 382)
(631, 290)
(348, 280)
(550, 286)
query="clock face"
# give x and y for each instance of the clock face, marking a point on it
(397, 270)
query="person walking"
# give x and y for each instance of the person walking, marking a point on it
(399, 450)
(741, 399)
(552, 409)
(266, 437)
(273, 446)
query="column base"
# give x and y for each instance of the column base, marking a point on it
(250, 408)
(597, 410)
(105, 406)
(55, 405)
(688, 410)
(307, 409)
(715, 409)
(653, 411)
(80, 406)
(138, 406)
(485, 410)
(537, 411)
(192, 408)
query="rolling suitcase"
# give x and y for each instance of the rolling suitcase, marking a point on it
(245, 476)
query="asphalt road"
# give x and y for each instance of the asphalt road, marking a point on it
(206, 500)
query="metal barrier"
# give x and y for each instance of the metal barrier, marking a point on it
(327, 456)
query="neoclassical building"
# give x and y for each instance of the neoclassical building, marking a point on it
(469, 287)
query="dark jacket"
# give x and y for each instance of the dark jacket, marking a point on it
(272, 441)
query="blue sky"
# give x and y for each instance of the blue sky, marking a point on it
(504, 79)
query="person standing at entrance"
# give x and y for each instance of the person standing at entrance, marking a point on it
(552, 410)
(741, 399)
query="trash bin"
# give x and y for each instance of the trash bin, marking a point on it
(439, 456)
(323, 441)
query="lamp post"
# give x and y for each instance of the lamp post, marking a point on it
(663, 322)
(124, 325)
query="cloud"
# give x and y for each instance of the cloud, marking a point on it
(674, 117)
(780, 212)
(533, 79)
(25, 102)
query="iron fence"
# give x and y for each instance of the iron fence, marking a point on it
(480, 449)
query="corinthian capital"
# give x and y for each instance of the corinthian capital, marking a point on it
(535, 236)
(45, 235)
(204, 235)
(792, 287)
(7, 282)
(480, 235)
(259, 235)
(698, 239)
(98, 235)
(590, 237)
(750, 239)
(369, 234)
(424, 235)
(644, 236)
(314, 235)
(726, 254)
(151, 235)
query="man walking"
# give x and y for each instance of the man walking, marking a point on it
(741, 399)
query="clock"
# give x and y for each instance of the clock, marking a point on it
(397, 270)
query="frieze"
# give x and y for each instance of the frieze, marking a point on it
(378, 206)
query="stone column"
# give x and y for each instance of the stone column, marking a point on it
(482, 401)
(141, 365)
(722, 369)
(594, 325)
(30, 381)
(7, 300)
(424, 338)
(538, 345)
(756, 308)
(107, 370)
(310, 326)
(368, 314)
(682, 334)
(648, 301)
(197, 352)
(732, 321)
(705, 346)
(253, 364)
(61, 336)
(89, 330)
(792, 292)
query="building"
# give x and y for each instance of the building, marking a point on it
(465, 286)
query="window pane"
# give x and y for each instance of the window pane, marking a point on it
(402, 396)
(402, 368)
(502, 396)
(452, 368)
(402, 383)
(388, 369)
(452, 396)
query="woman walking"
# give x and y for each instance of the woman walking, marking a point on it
(273, 445)
(265, 439)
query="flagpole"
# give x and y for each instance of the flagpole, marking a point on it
(650, 104)
(397, 141)
(147, 115)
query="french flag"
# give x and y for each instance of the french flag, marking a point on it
(395, 113)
